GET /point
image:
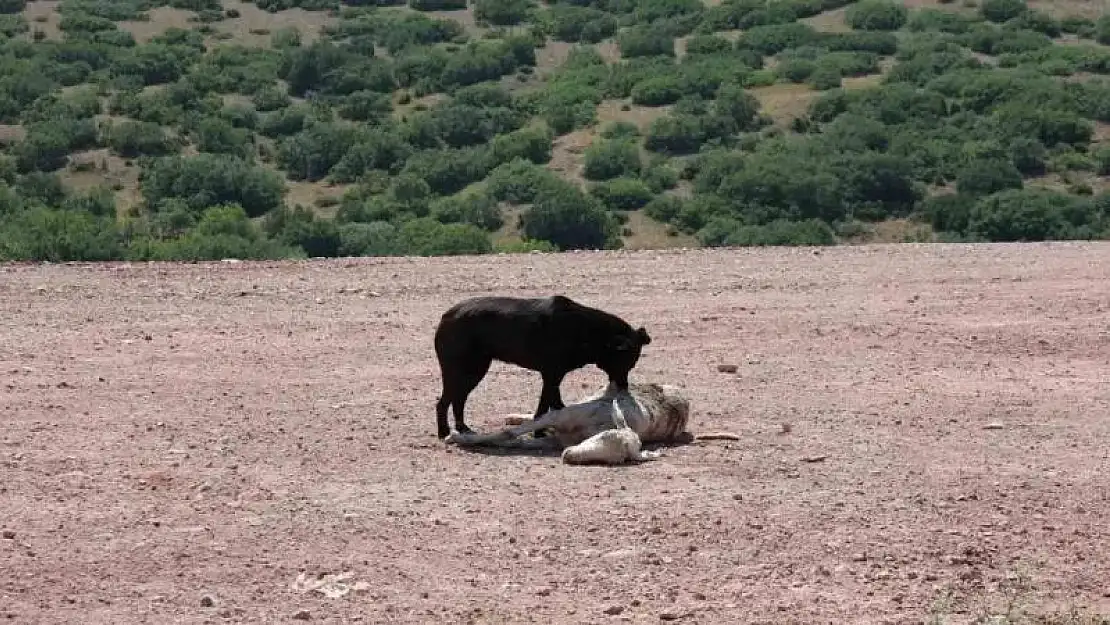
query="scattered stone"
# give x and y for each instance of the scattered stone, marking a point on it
(814, 458)
(668, 616)
(725, 368)
(9, 534)
(786, 428)
(859, 557)
(207, 601)
(302, 615)
(614, 610)
(994, 425)
(737, 497)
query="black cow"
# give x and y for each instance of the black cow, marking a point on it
(552, 335)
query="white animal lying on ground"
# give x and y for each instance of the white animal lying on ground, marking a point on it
(607, 429)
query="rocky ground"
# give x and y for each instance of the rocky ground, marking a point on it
(923, 438)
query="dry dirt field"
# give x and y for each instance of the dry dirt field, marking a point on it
(923, 439)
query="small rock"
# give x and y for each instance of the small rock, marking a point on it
(614, 610)
(9, 534)
(994, 425)
(207, 601)
(737, 497)
(786, 428)
(859, 557)
(814, 458)
(668, 616)
(302, 615)
(727, 368)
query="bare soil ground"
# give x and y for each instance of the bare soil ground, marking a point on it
(922, 439)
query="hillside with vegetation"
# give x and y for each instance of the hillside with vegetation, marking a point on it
(203, 129)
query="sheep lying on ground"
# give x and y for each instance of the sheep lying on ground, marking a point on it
(607, 429)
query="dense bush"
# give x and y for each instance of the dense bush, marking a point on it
(564, 216)
(433, 129)
(1035, 215)
(639, 42)
(611, 158)
(877, 15)
(501, 12)
(209, 180)
(622, 194)
(1002, 10)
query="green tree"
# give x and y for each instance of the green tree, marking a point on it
(877, 15)
(987, 176)
(571, 220)
(611, 158)
(209, 180)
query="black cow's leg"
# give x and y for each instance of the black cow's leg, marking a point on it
(550, 398)
(468, 379)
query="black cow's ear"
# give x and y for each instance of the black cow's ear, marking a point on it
(643, 336)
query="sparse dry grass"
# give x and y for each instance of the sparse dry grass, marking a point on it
(646, 233)
(253, 26)
(1093, 9)
(93, 168)
(42, 15)
(829, 21)
(642, 116)
(552, 56)
(400, 111)
(321, 197)
(784, 102)
(567, 154)
(11, 133)
(161, 20)
(465, 18)
(893, 231)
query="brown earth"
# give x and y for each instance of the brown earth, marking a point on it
(923, 439)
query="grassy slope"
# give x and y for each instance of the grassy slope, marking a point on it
(782, 101)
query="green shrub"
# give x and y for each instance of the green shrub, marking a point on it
(209, 180)
(610, 159)
(876, 15)
(986, 176)
(1002, 10)
(501, 12)
(476, 209)
(43, 234)
(427, 237)
(675, 134)
(658, 91)
(131, 139)
(707, 44)
(770, 40)
(523, 246)
(721, 232)
(622, 194)
(566, 217)
(639, 42)
(948, 212)
(1035, 215)
(300, 227)
(377, 238)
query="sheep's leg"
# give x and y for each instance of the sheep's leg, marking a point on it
(511, 437)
